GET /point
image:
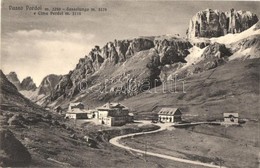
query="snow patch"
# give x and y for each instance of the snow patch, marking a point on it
(231, 38)
(242, 54)
(194, 56)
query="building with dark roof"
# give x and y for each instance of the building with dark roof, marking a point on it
(77, 111)
(169, 115)
(76, 106)
(113, 114)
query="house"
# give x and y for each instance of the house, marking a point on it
(77, 111)
(170, 115)
(76, 106)
(113, 114)
(76, 115)
(230, 118)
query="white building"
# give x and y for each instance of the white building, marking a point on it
(169, 115)
(230, 118)
(113, 114)
(77, 111)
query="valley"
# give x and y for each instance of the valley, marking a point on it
(149, 101)
(216, 145)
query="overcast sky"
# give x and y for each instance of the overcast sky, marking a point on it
(36, 46)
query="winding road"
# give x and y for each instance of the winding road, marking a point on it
(115, 141)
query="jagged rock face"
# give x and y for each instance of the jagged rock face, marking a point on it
(12, 77)
(251, 42)
(127, 82)
(172, 50)
(7, 87)
(28, 84)
(48, 84)
(170, 56)
(257, 26)
(121, 48)
(109, 53)
(202, 44)
(176, 44)
(13, 152)
(153, 65)
(216, 50)
(62, 88)
(139, 58)
(96, 59)
(12, 100)
(214, 23)
(138, 45)
(246, 48)
(213, 56)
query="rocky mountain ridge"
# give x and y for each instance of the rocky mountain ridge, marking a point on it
(39, 94)
(149, 61)
(140, 59)
(48, 84)
(12, 77)
(125, 68)
(26, 84)
(218, 74)
(11, 99)
(215, 23)
(29, 89)
(219, 51)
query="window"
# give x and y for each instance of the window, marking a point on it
(232, 118)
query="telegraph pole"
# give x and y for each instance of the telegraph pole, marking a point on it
(145, 150)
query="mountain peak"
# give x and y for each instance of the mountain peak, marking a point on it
(48, 84)
(214, 23)
(28, 84)
(12, 77)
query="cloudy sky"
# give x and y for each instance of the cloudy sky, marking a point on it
(34, 45)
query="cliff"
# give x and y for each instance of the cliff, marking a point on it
(28, 84)
(48, 84)
(12, 77)
(215, 23)
(121, 68)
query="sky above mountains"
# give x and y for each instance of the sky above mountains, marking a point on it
(37, 45)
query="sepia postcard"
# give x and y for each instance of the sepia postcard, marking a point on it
(130, 84)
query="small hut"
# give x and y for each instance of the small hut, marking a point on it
(76, 111)
(230, 118)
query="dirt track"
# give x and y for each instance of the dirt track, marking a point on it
(115, 141)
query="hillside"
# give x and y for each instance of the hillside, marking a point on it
(12, 77)
(151, 68)
(217, 51)
(232, 87)
(214, 71)
(33, 137)
(126, 68)
(12, 100)
(119, 70)
(40, 94)
(27, 83)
